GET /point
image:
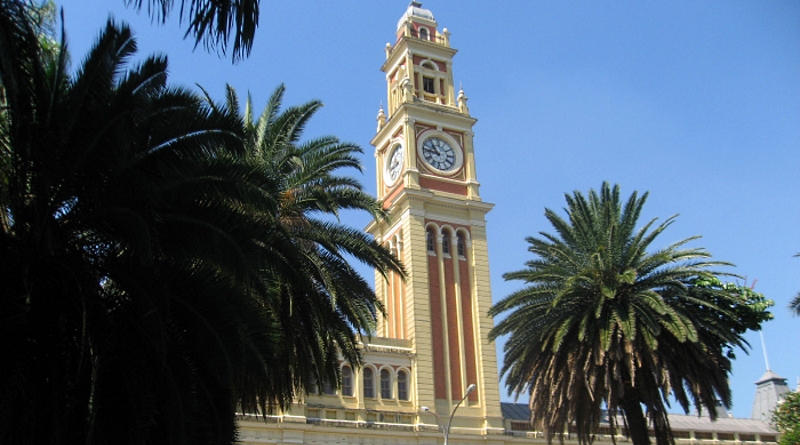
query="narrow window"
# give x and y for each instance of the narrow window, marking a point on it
(369, 384)
(429, 242)
(446, 243)
(347, 381)
(460, 245)
(386, 384)
(427, 85)
(402, 385)
(423, 33)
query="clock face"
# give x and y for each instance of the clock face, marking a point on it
(439, 154)
(395, 164)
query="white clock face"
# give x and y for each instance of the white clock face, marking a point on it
(439, 154)
(395, 164)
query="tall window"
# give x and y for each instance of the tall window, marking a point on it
(461, 245)
(347, 381)
(429, 241)
(402, 385)
(386, 384)
(427, 85)
(446, 243)
(369, 384)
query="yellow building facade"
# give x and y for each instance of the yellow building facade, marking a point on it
(432, 345)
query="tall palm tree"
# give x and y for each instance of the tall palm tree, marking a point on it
(604, 323)
(127, 308)
(318, 300)
(157, 272)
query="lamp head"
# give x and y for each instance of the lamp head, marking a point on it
(471, 388)
(425, 408)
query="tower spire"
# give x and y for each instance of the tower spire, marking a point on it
(764, 348)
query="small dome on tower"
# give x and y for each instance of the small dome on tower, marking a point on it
(415, 9)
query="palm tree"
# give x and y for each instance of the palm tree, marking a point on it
(118, 323)
(316, 298)
(158, 273)
(602, 322)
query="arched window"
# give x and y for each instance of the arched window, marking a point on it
(402, 385)
(347, 381)
(369, 384)
(386, 384)
(423, 33)
(446, 243)
(461, 245)
(430, 242)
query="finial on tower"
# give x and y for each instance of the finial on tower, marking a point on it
(462, 100)
(381, 117)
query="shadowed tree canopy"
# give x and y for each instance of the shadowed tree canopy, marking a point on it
(159, 269)
(786, 419)
(606, 321)
(317, 296)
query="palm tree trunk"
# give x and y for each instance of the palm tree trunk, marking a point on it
(637, 423)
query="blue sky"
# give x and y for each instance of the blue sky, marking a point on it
(696, 102)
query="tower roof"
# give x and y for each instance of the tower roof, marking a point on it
(415, 9)
(768, 376)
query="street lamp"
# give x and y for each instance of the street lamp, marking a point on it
(446, 429)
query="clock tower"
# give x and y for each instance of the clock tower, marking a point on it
(427, 181)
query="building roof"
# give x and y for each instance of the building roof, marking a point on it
(520, 412)
(415, 9)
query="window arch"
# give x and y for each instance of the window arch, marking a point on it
(446, 243)
(386, 384)
(402, 385)
(430, 241)
(429, 65)
(398, 244)
(461, 245)
(347, 381)
(369, 383)
(423, 33)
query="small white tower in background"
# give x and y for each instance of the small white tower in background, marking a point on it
(770, 389)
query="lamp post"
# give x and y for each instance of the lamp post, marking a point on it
(446, 429)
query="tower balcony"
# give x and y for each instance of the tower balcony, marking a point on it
(442, 39)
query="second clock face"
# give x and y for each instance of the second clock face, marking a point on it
(395, 164)
(439, 154)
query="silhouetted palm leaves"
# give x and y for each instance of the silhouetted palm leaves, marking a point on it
(318, 300)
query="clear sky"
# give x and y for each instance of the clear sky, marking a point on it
(696, 102)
